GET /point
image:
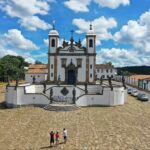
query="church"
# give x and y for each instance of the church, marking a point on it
(71, 63)
(68, 78)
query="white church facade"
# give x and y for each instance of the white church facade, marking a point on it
(72, 63)
(69, 77)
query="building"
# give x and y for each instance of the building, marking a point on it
(141, 81)
(145, 84)
(105, 71)
(71, 63)
(36, 72)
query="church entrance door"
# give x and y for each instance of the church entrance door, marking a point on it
(71, 77)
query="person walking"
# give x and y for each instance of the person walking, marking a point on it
(51, 138)
(57, 138)
(65, 135)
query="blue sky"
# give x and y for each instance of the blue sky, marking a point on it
(122, 28)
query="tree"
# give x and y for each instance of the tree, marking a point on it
(12, 67)
(38, 62)
(109, 63)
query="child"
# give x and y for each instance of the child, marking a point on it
(57, 138)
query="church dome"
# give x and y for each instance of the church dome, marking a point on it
(54, 32)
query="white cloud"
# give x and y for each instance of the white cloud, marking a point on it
(136, 33)
(33, 23)
(77, 5)
(100, 25)
(22, 8)
(83, 6)
(15, 39)
(46, 42)
(26, 11)
(4, 51)
(112, 3)
(121, 57)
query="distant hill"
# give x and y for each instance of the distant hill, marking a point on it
(134, 70)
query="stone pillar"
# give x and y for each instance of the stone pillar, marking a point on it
(55, 69)
(48, 76)
(87, 69)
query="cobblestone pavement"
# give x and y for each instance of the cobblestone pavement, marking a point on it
(124, 127)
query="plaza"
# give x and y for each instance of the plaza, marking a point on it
(92, 128)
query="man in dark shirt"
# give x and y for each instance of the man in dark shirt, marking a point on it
(51, 138)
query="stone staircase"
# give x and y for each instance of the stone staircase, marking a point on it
(61, 107)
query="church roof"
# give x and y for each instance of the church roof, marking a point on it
(54, 32)
(103, 66)
(139, 76)
(37, 69)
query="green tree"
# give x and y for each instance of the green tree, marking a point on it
(38, 62)
(109, 63)
(12, 67)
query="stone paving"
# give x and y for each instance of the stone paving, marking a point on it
(124, 127)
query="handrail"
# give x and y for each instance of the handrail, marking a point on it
(59, 86)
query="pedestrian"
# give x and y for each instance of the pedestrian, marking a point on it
(57, 138)
(51, 138)
(65, 135)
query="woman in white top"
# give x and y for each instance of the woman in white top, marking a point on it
(65, 135)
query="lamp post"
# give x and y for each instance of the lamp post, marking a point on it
(51, 94)
(59, 80)
(74, 95)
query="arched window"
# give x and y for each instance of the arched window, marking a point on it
(53, 43)
(90, 43)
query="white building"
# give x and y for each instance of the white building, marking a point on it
(105, 71)
(36, 72)
(72, 63)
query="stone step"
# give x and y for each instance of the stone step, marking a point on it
(61, 107)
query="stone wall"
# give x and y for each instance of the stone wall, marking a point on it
(32, 95)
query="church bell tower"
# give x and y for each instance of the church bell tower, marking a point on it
(91, 55)
(52, 58)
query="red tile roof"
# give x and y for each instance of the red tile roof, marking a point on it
(139, 76)
(103, 66)
(37, 69)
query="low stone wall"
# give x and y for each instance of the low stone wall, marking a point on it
(18, 97)
(109, 98)
(32, 95)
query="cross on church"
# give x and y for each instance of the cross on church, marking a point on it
(72, 31)
(53, 24)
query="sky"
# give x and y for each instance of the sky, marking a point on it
(122, 28)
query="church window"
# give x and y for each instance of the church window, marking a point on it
(90, 43)
(52, 66)
(90, 66)
(53, 43)
(51, 74)
(63, 62)
(79, 62)
(91, 75)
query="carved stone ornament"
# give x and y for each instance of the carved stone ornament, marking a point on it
(71, 49)
(64, 91)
